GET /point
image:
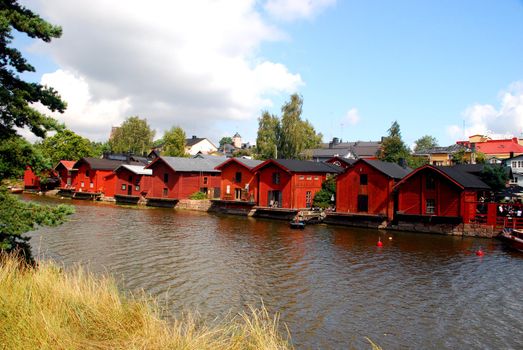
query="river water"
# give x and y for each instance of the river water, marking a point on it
(331, 285)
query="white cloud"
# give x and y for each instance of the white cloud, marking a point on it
(503, 122)
(289, 10)
(352, 116)
(190, 63)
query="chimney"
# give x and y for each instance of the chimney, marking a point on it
(193, 137)
(511, 155)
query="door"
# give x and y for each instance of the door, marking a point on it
(363, 203)
(275, 199)
(129, 189)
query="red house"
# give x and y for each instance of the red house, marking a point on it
(238, 181)
(439, 192)
(366, 187)
(36, 183)
(132, 182)
(290, 183)
(31, 180)
(95, 176)
(175, 178)
(65, 171)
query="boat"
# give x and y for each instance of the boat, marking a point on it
(16, 190)
(298, 225)
(513, 238)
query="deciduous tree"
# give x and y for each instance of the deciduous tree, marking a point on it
(174, 141)
(16, 153)
(16, 95)
(226, 140)
(66, 145)
(134, 136)
(424, 143)
(393, 148)
(267, 139)
(495, 176)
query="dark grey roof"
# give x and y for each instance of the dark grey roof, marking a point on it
(365, 149)
(328, 152)
(449, 149)
(249, 163)
(358, 149)
(464, 178)
(305, 166)
(392, 170)
(192, 164)
(101, 164)
(193, 141)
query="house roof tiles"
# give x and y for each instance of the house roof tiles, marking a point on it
(181, 164)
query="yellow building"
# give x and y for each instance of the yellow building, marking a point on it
(443, 156)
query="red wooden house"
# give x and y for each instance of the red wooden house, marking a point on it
(31, 180)
(65, 171)
(175, 178)
(366, 187)
(95, 176)
(47, 181)
(290, 183)
(439, 192)
(238, 181)
(132, 182)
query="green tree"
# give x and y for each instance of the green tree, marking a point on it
(323, 198)
(495, 176)
(458, 157)
(174, 142)
(66, 145)
(393, 148)
(425, 142)
(226, 140)
(267, 138)
(17, 217)
(416, 162)
(481, 158)
(16, 153)
(134, 136)
(16, 95)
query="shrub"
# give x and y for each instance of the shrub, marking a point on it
(198, 196)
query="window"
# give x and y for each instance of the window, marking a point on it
(87, 173)
(91, 185)
(165, 177)
(437, 163)
(316, 177)
(363, 203)
(137, 188)
(124, 187)
(302, 177)
(308, 199)
(165, 192)
(137, 181)
(514, 180)
(430, 206)
(238, 177)
(82, 184)
(514, 164)
(276, 178)
(430, 182)
(364, 179)
(205, 180)
(309, 178)
(130, 178)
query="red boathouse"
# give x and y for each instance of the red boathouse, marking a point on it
(366, 187)
(291, 183)
(238, 181)
(132, 182)
(439, 192)
(95, 176)
(65, 171)
(175, 178)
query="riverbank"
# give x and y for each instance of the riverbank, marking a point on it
(49, 308)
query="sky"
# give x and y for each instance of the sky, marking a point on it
(443, 68)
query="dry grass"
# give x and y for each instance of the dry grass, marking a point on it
(46, 308)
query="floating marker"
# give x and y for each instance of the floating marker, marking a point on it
(479, 252)
(379, 244)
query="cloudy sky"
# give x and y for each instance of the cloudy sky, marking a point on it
(441, 67)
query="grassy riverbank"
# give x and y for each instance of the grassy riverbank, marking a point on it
(46, 308)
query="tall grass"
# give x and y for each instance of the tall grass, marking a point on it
(47, 308)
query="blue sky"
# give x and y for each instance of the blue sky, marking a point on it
(430, 65)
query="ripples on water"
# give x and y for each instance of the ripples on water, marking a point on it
(332, 285)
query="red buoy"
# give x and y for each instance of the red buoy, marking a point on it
(479, 252)
(379, 244)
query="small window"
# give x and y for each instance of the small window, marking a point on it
(165, 177)
(130, 178)
(91, 185)
(302, 177)
(137, 188)
(309, 178)
(276, 178)
(87, 173)
(363, 179)
(124, 187)
(82, 184)
(205, 180)
(430, 206)
(308, 199)
(431, 182)
(238, 177)
(316, 178)
(137, 181)
(165, 192)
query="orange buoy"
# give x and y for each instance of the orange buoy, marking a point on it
(379, 244)
(479, 252)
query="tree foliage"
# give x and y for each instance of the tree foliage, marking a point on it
(459, 157)
(287, 137)
(16, 153)
(323, 198)
(134, 136)
(226, 140)
(16, 95)
(18, 217)
(495, 176)
(393, 148)
(66, 145)
(425, 143)
(174, 141)
(481, 158)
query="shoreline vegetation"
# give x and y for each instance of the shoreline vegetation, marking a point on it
(49, 308)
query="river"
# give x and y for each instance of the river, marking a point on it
(331, 285)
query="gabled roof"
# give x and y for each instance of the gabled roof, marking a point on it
(67, 164)
(99, 163)
(194, 140)
(500, 146)
(135, 169)
(347, 161)
(248, 163)
(445, 150)
(456, 175)
(181, 164)
(392, 170)
(301, 166)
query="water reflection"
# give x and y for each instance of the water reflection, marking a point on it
(332, 285)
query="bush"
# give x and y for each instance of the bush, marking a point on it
(198, 196)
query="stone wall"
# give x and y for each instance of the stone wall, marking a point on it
(468, 230)
(194, 204)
